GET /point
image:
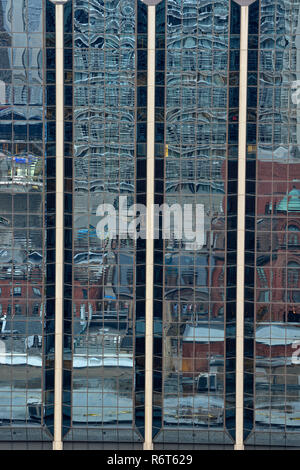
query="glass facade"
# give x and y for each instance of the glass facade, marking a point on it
(109, 125)
(26, 381)
(272, 247)
(196, 155)
(191, 142)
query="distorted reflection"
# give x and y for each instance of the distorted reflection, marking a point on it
(22, 235)
(194, 318)
(103, 380)
(276, 384)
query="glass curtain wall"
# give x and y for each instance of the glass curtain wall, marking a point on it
(24, 411)
(192, 96)
(109, 46)
(273, 244)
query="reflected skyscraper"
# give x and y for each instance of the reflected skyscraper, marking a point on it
(165, 345)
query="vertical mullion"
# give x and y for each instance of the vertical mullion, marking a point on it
(239, 445)
(59, 226)
(148, 445)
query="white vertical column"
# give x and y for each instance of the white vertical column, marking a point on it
(239, 445)
(148, 445)
(59, 230)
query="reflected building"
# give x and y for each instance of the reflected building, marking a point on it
(272, 249)
(194, 293)
(26, 411)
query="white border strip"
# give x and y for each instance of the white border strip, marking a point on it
(239, 445)
(148, 445)
(59, 231)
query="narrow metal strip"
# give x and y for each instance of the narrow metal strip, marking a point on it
(239, 445)
(148, 445)
(59, 231)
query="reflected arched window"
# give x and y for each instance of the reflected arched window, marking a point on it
(292, 235)
(293, 274)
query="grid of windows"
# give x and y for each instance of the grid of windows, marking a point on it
(24, 410)
(192, 139)
(106, 128)
(196, 149)
(272, 250)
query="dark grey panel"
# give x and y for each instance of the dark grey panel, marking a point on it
(25, 445)
(101, 446)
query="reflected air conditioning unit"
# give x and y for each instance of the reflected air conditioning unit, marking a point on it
(35, 411)
(206, 382)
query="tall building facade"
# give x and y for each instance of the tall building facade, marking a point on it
(124, 342)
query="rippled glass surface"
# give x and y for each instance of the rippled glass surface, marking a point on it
(23, 400)
(272, 400)
(191, 399)
(103, 402)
